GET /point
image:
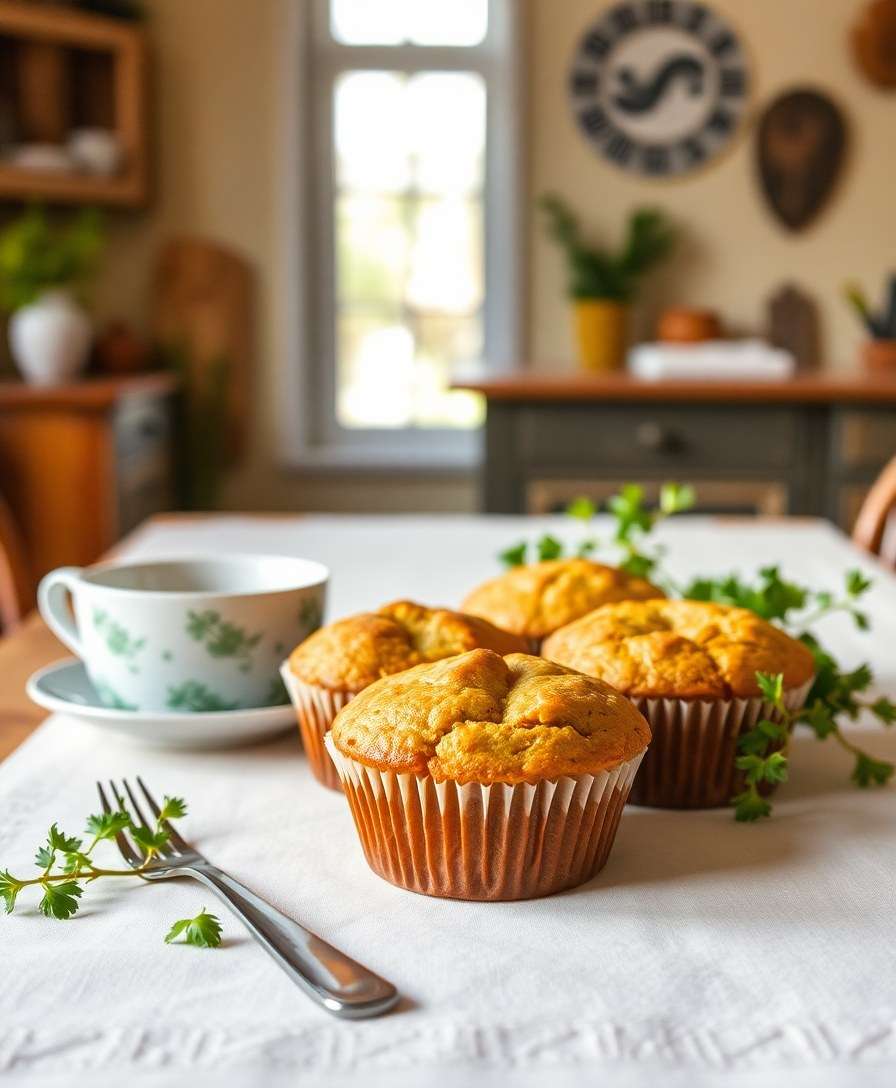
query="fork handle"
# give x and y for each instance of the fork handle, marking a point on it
(335, 981)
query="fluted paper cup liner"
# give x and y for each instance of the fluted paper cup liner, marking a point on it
(690, 761)
(483, 842)
(316, 708)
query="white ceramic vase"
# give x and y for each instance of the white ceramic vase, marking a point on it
(50, 338)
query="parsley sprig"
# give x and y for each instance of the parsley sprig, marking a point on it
(65, 863)
(836, 693)
(633, 519)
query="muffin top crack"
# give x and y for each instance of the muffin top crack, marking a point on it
(481, 717)
(679, 649)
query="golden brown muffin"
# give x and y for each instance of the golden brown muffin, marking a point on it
(535, 600)
(480, 717)
(679, 649)
(352, 653)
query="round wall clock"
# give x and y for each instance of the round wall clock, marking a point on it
(659, 87)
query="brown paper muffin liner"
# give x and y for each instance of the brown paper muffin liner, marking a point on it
(316, 707)
(690, 761)
(483, 842)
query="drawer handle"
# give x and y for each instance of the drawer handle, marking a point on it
(657, 439)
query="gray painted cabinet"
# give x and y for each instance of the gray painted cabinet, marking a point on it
(810, 447)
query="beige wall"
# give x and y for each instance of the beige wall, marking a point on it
(221, 112)
(733, 254)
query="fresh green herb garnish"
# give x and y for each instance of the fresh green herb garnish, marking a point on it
(65, 863)
(204, 930)
(634, 520)
(835, 693)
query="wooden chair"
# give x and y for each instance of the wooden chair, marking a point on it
(871, 528)
(16, 584)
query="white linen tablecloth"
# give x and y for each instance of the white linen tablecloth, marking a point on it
(707, 952)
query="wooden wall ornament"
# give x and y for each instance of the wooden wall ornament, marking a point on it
(873, 39)
(801, 145)
(793, 325)
(658, 87)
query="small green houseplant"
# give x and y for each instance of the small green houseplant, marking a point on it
(44, 270)
(602, 282)
(879, 350)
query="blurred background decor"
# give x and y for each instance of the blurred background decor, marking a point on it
(873, 40)
(878, 352)
(659, 89)
(44, 271)
(800, 147)
(602, 282)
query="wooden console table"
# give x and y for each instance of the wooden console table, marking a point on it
(82, 464)
(811, 445)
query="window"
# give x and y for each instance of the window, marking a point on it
(411, 263)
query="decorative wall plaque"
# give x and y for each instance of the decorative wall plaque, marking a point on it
(800, 147)
(874, 42)
(659, 87)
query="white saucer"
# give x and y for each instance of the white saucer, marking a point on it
(65, 688)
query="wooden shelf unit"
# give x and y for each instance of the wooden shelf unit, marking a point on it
(126, 42)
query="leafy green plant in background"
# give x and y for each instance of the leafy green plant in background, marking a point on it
(65, 864)
(37, 255)
(600, 273)
(880, 324)
(836, 694)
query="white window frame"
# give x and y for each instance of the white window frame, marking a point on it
(310, 433)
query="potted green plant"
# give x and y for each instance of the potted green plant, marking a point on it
(879, 351)
(602, 282)
(43, 271)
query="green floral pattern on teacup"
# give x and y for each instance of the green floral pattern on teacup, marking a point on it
(194, 696)
(309, 616)
(117, 638)
(109, 696)
(222, 639)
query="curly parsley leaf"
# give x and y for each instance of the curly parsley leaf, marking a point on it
(515, 556)
(676, 498)
(9, 889)
(44, 857)
(204, 930)
(173, 808)
(60, 900)
(750, 806)
(549, 547)
(56, 840)
(771, 687)
(871, 772)
(149, 839)
(107, 824)
(582, 508)
(884, 710)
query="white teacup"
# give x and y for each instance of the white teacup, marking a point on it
(188, 634)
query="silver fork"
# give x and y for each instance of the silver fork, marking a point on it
(336, 982)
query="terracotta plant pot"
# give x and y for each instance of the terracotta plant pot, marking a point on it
(680, 325)
(601, 330)
(879, 356)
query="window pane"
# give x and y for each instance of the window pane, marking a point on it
(373, 243)
(446, 257)
(372, 147)
(444, 344)
(409, 245)
(375, 373)
(419, 22)
(446, 129)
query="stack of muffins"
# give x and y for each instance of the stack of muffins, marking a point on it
(475, 769)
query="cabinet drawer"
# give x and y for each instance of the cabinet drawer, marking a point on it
(640, 437)
(142, 427)
(864, 439)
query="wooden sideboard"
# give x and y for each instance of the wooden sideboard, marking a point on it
(811, 445)
(81, 464)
